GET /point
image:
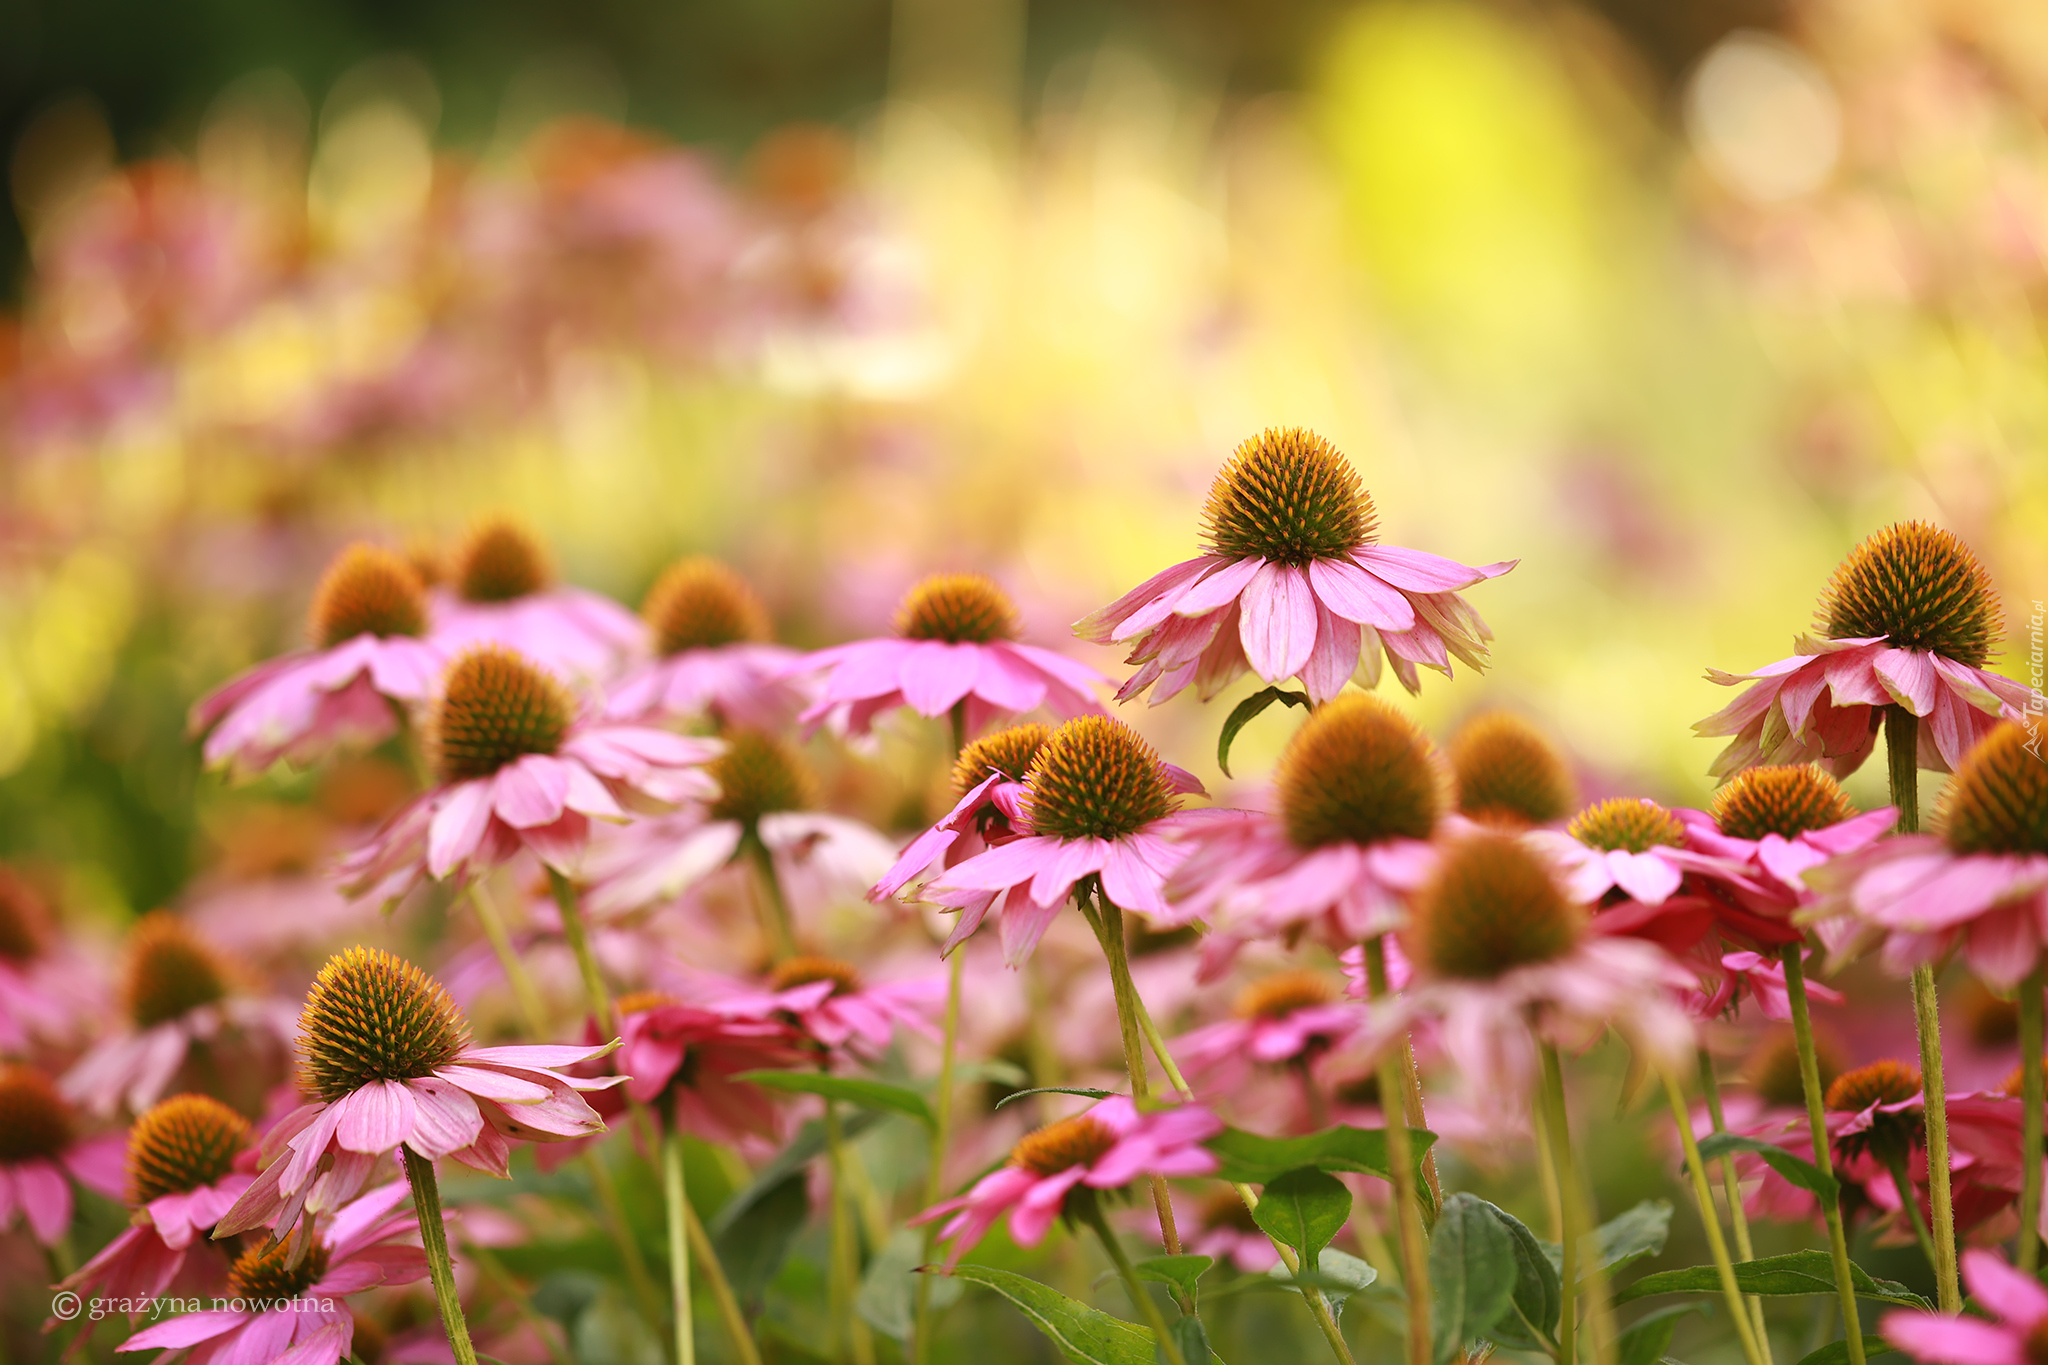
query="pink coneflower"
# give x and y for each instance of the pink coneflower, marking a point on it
(1098, 803)
(683, 1057)
(1104, 1147)
(517, 767)
(1907, 620)
(1777, 823)
(179, 994)
(1293, 584)
(1288, 1018)
(184, 1171)
(388, 1055)
(367, 668)
(1359, 790)
(1756, 977)
(955, 642)
(46, 990)
(1502, 959)
(1509, 773)
(831, 1004)
(713, 655)
(291, 1298)
(988, 777)
(1982, 883)
(502, 592)
(1625, 849)
(41, 1154)
(2018, 1300)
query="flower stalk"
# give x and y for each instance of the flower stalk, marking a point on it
(775, 918)
(1574, 1215)
(1401, 1170)
(1091, 1213)
(586, 962)
(844, 1274)
(516, 975)
(1817, 1125)
(1738, 1309)
(676, 1194)
(1738, 1219)
(942, 1102)
(426, 1201)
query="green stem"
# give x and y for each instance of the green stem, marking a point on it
(1901, 756)
(426, 1201)
(586, 962)
(942, 1127)
(1738, 1218)
(677, 1196)
(516, 976)
(1817, 1125)
(1140, 1299)
(621, 1230)
(2031, 1100)
(844, 1276)
(1551, 1113)
(775, 919)
(1401, 1172)
(1738, 1310)
(728, 1302)
(1411, 1109)
(1927, 1017)
(1895, 1164)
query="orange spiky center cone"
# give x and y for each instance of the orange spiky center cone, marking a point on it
(1919, 587)
(805, 969)
(1510, 773)
(1783, 799)
(496, 706)
(1626, 823)
(699, 603)
(1096, 779)
(1287, 495)
(1281, 994)
(1008, 752)
(267, 1274)
(1997, 802)
(500, 561)
(1359, 771)
(759, 775)
(170, 970)
(182, 1143)
(373, 1016)
(367, 591)
(35, 1122)
(958, 608)
(1058, 1146)
(1492, 906)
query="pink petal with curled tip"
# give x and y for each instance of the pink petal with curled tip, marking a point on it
(1219, 589)
(1419, 571)
(375, 1117)
(1356, 595)
(1278, 624)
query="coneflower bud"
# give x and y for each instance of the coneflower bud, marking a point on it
(1626, 823)
(1359, 771)
(367, 591)
(267, 1273)
(495, 707)
(1998, 800)
(759, 775)
(1096, 779)
(1281, 994)
(372, 1016)
(1509, 773)
(957, 608)
(182, 1143)
(1491, 907)
(1882, 1082)
(1008, 752)
(1061, 1145)
(170, 971)
(1784, 799)
(500, 561)
(699, 603)
(1917, 586)
(34, 1120)
(24, 919)
(1287, 495)
(805, 969)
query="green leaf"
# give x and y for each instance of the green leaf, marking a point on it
(807, 1146)
(1254, 1160)
(1339, 1276)
(1081, 1334)
(853, 1089)
(1473, 1270)
(1181, 1272)
(1304, 1208)
(888, 1291)
(1538, 1295)
(1799, 1272)
(1089, 1091)
(1646, 1340)
(1837, 1352)
(753, 1244)
(1241, 716)
(993, 1069)
(1192, 1340)
(1804, 1174)
(1620, 1241)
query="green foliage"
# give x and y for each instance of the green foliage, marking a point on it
(1798, 1272)
(1243, 713)
(1473, 1269)
(1804, 1174)
(1304, 1208)
(1253, 1160)
(1538, 1296)
(1647, 1340)
(1182, 1272)
(1083, 1335)
(868, 1094)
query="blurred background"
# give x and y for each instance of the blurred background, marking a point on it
(1674, 302)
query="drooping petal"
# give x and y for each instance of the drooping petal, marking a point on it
(458, 826)
(935, 674)
(1278, 625)
(376, 1117)
(1358, 596)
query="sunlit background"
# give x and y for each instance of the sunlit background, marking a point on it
(1674, 302)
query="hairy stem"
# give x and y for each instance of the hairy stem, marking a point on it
(844, 1276)
(728, 1302)
(1108, 924)
(1400, 1167)
(426, 1201)
(1817, 1124)
(775, 918)
(1927, 1017)
(1140, 1299)
(1738, 1311)
(1895, 1165)
(1551, 1114)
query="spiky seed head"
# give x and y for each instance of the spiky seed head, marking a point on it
(1883, 1082)
(373, 1016)
(1628, 823)
(1359, 771)
(24, 918)
(1774, 1069)
(1920, 588)
(265, 1272)
(1998, 800)
(367, 591)
(1096, 779)
(1288, 495)
(699, 603)
(500, 561)
(170, 970)
(1008, 752)
(182, 1143)
(1510, 773)
(496, 706)
(958, 608)
(804, 969)
(1782, 799)
(1281, 994)
(759, 775)
(1077, 1141)
(1491, 907)
(34, 1119)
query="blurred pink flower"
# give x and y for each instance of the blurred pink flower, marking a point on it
(742, 684)
(830, 1003)
(1760, 978)
(817, 855)
(1289, 1017)
(1773, 869)
(136, 1067)
(45, 1154)
(1104, 1147)
(2018, 1301)
(660, 1034)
